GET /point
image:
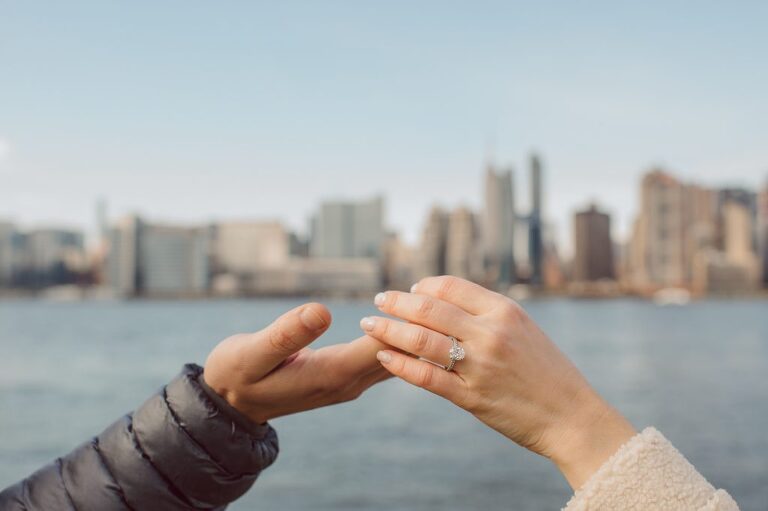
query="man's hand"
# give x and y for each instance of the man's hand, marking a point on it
(272, 373)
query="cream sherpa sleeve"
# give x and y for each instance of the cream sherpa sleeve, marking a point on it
(648, 473)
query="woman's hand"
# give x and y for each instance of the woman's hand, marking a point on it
(272, 373)
(513, 378)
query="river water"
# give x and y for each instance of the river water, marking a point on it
(699, 373)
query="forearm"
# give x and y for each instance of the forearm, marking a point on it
(179, 450)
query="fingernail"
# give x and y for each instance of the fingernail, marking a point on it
(384, 357)
(311, 319)
(413, 287)
(367, 323)
(379, 299)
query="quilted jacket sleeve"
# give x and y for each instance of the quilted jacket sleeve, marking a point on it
(648, 473)
(183, 449)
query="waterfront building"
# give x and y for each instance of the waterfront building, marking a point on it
(249, 246)
(521, 249)
(535, 221)
(743, 196)
(148, 259)
(462, 255)
(735, 267)
(658, 241)
(8, 263)
(398, 265)
(40, 258)
(498, 228)
(593, 248)
(762, 223)
(48, 249)
(343, 229)
(430, 259)
(302, 276)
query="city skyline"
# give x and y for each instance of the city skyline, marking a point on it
(685, 237)
(131, 101)
(521, 198)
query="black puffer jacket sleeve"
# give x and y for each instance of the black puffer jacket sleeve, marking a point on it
(183, 449)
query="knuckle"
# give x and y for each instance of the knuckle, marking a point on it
(420, 340)
(399, 366)
(425, 308)
(498, 336)
(391, 300)
(446, 286)
(281, 340)
(515, 312)
(384, 328)
(425, 375)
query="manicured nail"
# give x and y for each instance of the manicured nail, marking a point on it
(413, 287)
(384, 357)
(311, 319)
(367, 323)
(379, 299)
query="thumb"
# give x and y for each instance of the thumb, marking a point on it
(288, 334)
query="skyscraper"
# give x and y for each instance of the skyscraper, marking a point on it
(7, 253)
(250, 246)
(762, 222)
(430, 260)
(344, 229)
(157, 260)
(498, 232)
(658, 244)
(593, 255)
(536, 244)
(462, 257)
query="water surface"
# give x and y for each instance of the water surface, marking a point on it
(698, 373)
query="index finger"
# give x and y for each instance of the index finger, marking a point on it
(471, 297)
(430, 312)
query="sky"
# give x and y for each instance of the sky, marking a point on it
(190, 111)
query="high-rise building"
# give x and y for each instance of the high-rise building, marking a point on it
(748, 199)
(49, 248)
(462, 257)
(430, 260)
(174, 260)
(700, 224)
(348, 229)
(762, 223)
(498, 230)
(399, 259)
(536, 242)
(593, 248)
(123, 257)
(658, 242)
(158, 260)
(735, 268)
(7, 253)
(521, 244)
(40, 258)
(248, 247)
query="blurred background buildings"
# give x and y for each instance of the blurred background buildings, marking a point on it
(686, 238)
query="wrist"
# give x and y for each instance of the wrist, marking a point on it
(589, 440)
(230, 398)
(245, 422)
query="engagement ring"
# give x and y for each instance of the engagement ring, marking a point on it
(455, 354)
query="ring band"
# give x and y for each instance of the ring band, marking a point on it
(455, 354)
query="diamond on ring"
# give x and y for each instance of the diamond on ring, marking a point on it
(455, 354)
